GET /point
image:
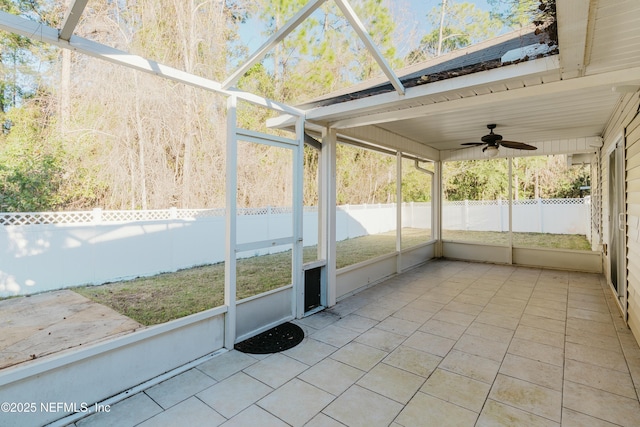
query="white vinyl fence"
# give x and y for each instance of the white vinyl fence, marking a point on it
(51, 250)
(556, 216)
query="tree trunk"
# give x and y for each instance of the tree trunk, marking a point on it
(65, 91)
(141, 137)
(516, 184)
(440, 34)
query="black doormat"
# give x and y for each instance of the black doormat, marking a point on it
(280, 338)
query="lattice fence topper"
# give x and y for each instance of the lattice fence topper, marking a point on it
(560, 202)
(99, 216)
(370, 206)
(564, 201)
(267, 210)
(474, 202)
(528, 202)
(36, 218)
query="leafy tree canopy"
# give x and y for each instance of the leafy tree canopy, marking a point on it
(462, 24)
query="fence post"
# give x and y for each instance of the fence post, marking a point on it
(465, 215)
(412, 216)
(348, 219)
(500, 214)
(269, 227)
(173, 212)
(97, 215)
(540, 215)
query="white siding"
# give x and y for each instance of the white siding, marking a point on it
(633, 223)
(625, 122)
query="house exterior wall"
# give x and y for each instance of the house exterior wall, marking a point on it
(596, 205)
(633, 223)
(625, 122)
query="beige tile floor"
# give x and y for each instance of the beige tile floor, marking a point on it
(449, 343)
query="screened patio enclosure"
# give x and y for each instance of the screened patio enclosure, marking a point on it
(576, 94)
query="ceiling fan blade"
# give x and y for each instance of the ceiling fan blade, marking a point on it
(474, 144)
(517, 145)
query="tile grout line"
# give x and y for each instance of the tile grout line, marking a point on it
(443, 357)
(507, 350)
(613, 308)
(429, 287)
(335, 397)
(443, 279)
(564, 348)
(466, 328)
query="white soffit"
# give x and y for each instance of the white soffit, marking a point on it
(573, 18)
(363, 111)
(613, 41)
(369, 116)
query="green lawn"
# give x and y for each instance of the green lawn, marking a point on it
(531, 240)
(164, 297)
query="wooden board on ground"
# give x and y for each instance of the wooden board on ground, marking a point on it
(44, 324)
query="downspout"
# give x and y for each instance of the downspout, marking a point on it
(417, 164)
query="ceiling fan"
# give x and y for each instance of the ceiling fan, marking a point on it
(493, 141)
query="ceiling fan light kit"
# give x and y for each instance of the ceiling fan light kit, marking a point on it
(493, 141)
(490, 151)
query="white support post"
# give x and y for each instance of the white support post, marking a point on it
(399, 212)
(327, 212)
(230, 236)
(510, 260)
(436, 208)
(297, 273)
